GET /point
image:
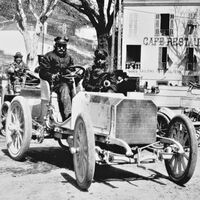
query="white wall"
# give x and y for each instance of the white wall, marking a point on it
(139, 22)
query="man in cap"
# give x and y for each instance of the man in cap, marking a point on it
(94, 75)
(54, 64)
(17, 70)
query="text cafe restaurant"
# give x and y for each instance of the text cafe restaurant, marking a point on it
(161, 41)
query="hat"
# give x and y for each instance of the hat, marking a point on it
(100, 54)
(121, 73)
(18, 55)
(61, 40)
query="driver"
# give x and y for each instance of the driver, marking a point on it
(17, 70)
(92, 80)
(55, 63)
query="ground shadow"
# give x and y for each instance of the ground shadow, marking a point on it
(107, 173)
(71, 180)
(56, 156)
(43, 160)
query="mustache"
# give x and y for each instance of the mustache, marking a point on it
(61, 50)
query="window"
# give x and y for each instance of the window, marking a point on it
(191, 60)
(190, 28)
(164, 24)
(133, 56)
(163, 58)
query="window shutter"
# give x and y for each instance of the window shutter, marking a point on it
(160, 59)
(157, 25)
(171, 25)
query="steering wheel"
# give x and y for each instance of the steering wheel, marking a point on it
(193, 85)
(76, 72)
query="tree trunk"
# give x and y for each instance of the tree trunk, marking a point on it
(31, 43)
(104, 42)
(27, 39)
(102, 39)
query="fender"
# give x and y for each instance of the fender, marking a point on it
(168, 112)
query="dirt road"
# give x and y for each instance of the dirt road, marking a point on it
(47, 174)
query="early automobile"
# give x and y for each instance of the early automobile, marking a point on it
(103, 127)
(178, 99)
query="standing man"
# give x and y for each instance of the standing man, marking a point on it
(54, 64)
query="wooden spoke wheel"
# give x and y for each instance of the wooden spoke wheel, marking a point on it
(18, 128)
(4, 112)
(84, 158)
(182, 165)
(162, 124)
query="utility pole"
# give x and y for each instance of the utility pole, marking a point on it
(119, 51)
(113, 37)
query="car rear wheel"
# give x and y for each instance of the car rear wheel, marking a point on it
(84, 158)
(18, 128)
(181, 166)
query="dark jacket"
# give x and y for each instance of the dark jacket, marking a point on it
(93, 79)
(17, 71)
(53, 64)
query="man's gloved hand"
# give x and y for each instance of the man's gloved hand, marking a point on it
(69, 70)
(11, 70)
(55, 77)
(17, 69)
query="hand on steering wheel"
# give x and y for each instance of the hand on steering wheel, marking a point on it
(55, 77)
(75, 72)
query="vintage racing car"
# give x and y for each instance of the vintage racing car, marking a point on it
(102, 128)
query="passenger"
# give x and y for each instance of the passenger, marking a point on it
(93, 75)
(17, 70)
(55, 63)
(122, 82)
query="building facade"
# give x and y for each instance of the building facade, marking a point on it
(161, 41)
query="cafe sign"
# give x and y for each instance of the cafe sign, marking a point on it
(171, 41)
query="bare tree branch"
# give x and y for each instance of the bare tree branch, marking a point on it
(101, 17)
(100, 14)
(20, 16)
(51, 7)
(84, 7)
(31, 7)
(47, 9)
(73, 4)
(108, 8)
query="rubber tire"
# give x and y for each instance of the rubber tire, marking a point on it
(192, 157)
(87, 142)
(19, 107)
(4, 112)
